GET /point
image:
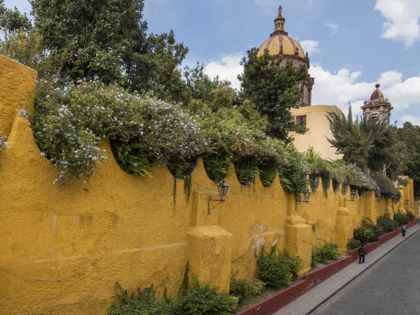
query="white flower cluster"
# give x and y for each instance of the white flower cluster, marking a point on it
(359, 179)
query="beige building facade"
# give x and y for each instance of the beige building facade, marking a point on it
(316, 118)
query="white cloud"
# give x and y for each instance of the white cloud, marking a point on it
(414, 120)
(310, 46)
(227, 67)
(338, 88)
(334, 27)
(343, 86)
(402, 20)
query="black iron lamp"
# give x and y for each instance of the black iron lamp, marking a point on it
(222, 188)
(395, 200)
(352, 195)
(407, 201)
(306, 195)
(379, 196)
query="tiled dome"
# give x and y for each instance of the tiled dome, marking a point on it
(377, 94)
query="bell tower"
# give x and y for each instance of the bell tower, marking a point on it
(378, 107)
(279, 21)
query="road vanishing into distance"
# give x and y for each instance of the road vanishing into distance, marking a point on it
(391, 287)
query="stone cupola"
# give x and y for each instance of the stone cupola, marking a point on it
(378, 107)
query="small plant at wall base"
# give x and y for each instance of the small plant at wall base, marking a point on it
(387, 224)
(295, 263)
(204, 300)
(377, 230)
(143, 303)
(195, 300)
(353, 244)
(411, 215)
(363, 234)
(325, 252)
(401, 218)
(242, 288)
(277, 268)
(200, 300)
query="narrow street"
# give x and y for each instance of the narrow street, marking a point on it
(390, 287)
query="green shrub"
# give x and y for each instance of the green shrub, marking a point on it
(386, 185)
(353, 244)
(363, 234)
(293, 175)
(245, 169)
(144, 303)
(377, 230)
(411, 215)
(204, 300)
(401, 218)
(268, 172)
(70, 120)
(295, 263)
(245, 288)
(325, 252)
(181, 168)
(273, 268)
(387, 224)
(217, 165)
(200, 300)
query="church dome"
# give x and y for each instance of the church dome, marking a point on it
(275, 43)
(377, 94)
(280, 43)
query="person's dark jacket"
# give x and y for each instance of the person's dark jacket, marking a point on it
(362, 251)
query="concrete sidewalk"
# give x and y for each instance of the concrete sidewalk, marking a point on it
(322, 292)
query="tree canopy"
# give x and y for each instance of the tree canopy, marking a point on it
(274, 89)
(366, 142)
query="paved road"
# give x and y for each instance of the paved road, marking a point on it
(391, 287)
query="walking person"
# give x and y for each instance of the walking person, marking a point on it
(403, 229)
(362, 254)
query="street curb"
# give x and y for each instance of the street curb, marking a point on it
(363, 271)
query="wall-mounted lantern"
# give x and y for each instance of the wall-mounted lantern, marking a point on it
(407, 201)
(352, 195)
(223, 190)
(306, 195)
(379, 196)
(395, 199)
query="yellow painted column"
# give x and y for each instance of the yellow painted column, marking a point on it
(370, 211)
(411, 195)
(209, 251)
(389, 212)
(209, 246)
(406, 194)
(298, 235)
(344, 226)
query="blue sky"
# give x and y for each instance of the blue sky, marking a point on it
(352, 44)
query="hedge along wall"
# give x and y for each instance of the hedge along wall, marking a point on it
(63, 248)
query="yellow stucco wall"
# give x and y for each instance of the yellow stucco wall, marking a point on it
(319, 130)
(17, 85)
(63, 248)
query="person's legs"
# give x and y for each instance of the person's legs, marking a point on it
(364, 258)
(360, 259)
(403, 233)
